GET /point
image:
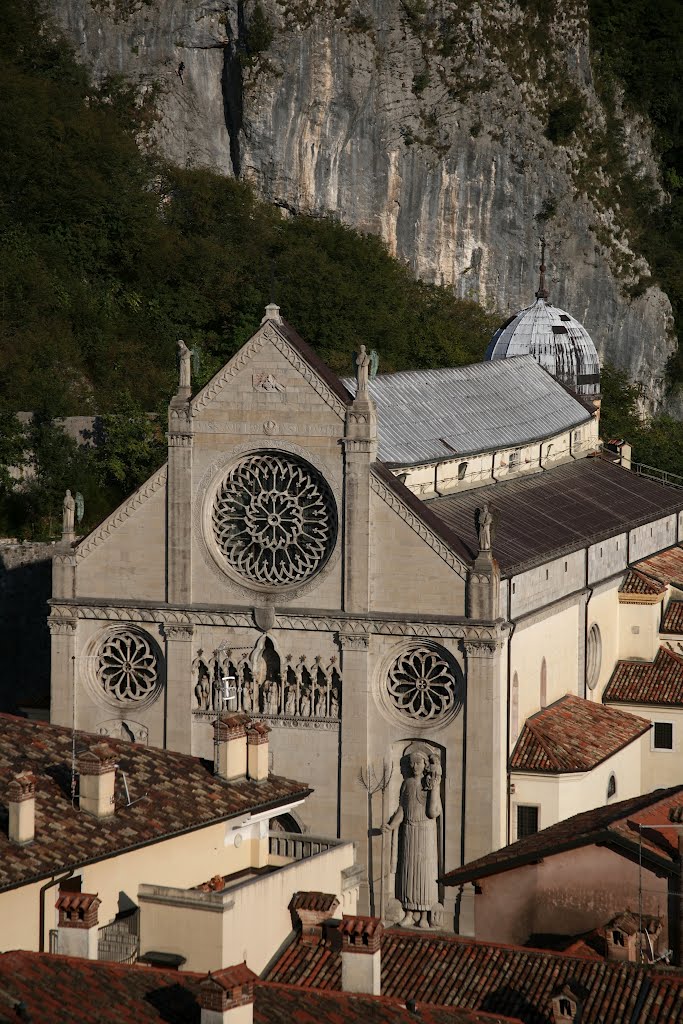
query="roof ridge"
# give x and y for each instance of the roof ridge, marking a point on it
(543, 743)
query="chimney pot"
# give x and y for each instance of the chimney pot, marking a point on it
(310, 910)
(230, 733)
(97, 778)
(227, 996)
(77, 930)
(361, 954)
(257, 751)
(21, 797)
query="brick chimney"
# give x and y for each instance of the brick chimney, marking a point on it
(230, 735)
(309, 911)
(77, 927)
(568, 1001)
(97, 777)
(257, 751)
(227, 996)
(361, 954)
(21, 796)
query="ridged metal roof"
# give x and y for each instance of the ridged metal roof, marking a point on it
(556, 340)
(425, 415)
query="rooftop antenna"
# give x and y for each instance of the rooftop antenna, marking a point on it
(542, 292)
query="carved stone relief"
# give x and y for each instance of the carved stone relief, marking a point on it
(134, 732)
(286, 688)
(413, 831)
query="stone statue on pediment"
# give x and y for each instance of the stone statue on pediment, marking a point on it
(484, 524)
(68, 515)
(185, 363)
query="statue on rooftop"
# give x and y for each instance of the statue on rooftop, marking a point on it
(415, 856)
(484, 524)
(362, 360)
(68, 515)
(185, 360)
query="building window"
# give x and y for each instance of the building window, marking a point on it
(663, 736)
(514, 459)
(593, 656)
(618, 938)
(462, 470)
(527, 821)
(612, 786)
(544, 684)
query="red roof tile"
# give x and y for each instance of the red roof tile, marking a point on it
(666, 566)
(673, 618)
(603, 825)
(324, 901)
(574, 735)
(76, 901)
(511, 980)
(658, 682)
(170, 794)
(638, 583)
(65, 990)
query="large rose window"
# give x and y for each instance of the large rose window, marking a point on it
(274, 519)
(127, 667)
(423, 685)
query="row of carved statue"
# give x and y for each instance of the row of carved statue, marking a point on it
(258, 685)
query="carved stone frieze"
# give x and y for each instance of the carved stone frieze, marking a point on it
(61, 627)
(419, 527)
(481, 648)
(273, 427)
(268, 333)
(263, 380)
(353, 641)
(180, 440)
(182, 632)
(122, 513)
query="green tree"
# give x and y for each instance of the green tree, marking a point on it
(130, 445)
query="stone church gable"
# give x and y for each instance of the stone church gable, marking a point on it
(125, 556)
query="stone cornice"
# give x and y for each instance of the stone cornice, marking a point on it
(121, 514)
(267, 333)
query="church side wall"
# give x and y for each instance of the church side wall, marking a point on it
(603, 611)
(540, 587)
(555, 639)
(654, 536)
(660, 768)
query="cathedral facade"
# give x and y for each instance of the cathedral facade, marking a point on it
(392, 571)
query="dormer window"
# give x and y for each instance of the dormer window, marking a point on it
(618, 938)
(566, 1007)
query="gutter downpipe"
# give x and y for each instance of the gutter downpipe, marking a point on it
(41, 900)
(585, 629)
(509, 688)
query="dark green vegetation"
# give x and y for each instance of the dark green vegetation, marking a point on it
(658, 444)
(639, 45)
(107, 257)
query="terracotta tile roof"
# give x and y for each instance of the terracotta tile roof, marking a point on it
(510, 980)
(63, 990)
(658, 682)
(614, 823)
(637, 583)
(673, 618)
(665, 567)
(170, 794)
(324, 901)
(543, 515)
(76, 901)
(356, 925)
(574, 735)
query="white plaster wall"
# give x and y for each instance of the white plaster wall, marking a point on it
(660, 768)
(556, 640)
(561, 796)
(603, 610)
(639, 630)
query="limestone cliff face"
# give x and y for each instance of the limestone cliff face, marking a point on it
(420, 120)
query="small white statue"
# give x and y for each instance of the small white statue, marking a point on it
(68, 515)
(185, 359)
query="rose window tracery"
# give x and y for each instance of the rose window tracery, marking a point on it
(274, 519)
(423, 685)
(127, 667)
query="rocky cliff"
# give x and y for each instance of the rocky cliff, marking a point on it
(458, 131)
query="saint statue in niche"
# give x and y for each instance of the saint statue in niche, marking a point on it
(414, 837)
(290, 701)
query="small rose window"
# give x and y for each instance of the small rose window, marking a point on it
(423, 684)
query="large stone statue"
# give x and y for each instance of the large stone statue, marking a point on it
(68, 515)
(484, 524)
(185, 360)
(415, 857)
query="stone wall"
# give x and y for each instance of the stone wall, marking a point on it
(25, 583)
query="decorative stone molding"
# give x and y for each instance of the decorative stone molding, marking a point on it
(419, 527)
(180, 440)
(353, 641)
(180, 632)
(122, 513)
(268, 333)
(363, 446)
(480, 648)
(62, 627)
(281, 429)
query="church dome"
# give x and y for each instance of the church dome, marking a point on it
(555, 339)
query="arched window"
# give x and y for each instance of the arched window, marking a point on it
(514, 710)
(612, 786)
(593, 656)
(462, 470)
(544, 684)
